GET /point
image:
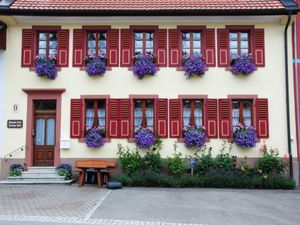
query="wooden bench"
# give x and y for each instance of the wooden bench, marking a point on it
(101, 167)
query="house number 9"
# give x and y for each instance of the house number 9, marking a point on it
(15, 107)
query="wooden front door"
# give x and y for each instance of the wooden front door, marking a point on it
(44, 137)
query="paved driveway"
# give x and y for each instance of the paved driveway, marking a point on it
(52, 204)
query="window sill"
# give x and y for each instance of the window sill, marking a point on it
(106, 140)
(33, 69)
(181, 140)
(131, 67)
(83, 68)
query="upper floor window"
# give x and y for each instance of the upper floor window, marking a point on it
(143, 114)
(241, 112)
(192, 113)
(47, 44)
(191, 43)
(96, 43)
(95, 115)
(239, 43)
(143, 42)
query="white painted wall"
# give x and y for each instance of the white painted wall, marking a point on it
(2, 96)
(267, 82)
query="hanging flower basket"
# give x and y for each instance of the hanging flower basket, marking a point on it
(144, 138)
(94, 138)
(95, 65)
(245, 136)
(194, 137)
(242, 65)
(46, 67)
(193, 65)
(144, 65)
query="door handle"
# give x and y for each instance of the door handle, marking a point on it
(32, 132)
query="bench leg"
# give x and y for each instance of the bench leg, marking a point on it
(99, 179)
(81, 178)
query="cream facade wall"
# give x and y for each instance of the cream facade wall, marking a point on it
(267, 82)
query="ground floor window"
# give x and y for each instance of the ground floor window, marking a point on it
(241, 112)
(95, 114)
(144, 113)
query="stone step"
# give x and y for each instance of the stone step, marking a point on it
(36, 182)
(42, 169)
(59, 178)
(39, 175)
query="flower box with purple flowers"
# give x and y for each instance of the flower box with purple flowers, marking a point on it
(46, 66)
(245, 136)
(194, 137)
(144, 138)
(242, 65)
(95, 64)
(94, 137)
(144, 65)
(193, 65)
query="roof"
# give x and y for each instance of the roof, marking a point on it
(153, 6)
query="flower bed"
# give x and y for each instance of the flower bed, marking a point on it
(95, 65)
(64, 169)
(144, 65)
(242, 65)
(46, 67)
(245, 136)
(194, 137)
(94, 138)
(193, 65)
(15, 170)
(144, 138)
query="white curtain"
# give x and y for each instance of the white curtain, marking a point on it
(138, 117)
(101, 117)
(40, 131)
(186, 115)
(50, 139)
(149, 117)
(198, 117)
(89, 118)
(235, 117)
(247, 116)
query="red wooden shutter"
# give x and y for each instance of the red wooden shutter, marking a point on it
(63, 48)
(262, 118)
(209, 47)
(3, 39)
(76, 118)
(113, 118)
(113, 47)
(161, 47)
(174, 48)
(223, 48)
(161, 117)
(78, 47)
(27, 48)
(225, 118)
(125, 118)
(175, 118)
(211, 117)
(259, 47)
(126, 47)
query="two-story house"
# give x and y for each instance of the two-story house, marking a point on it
(50, 117)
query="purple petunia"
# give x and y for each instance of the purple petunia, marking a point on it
(46, 67)
(194, 137)
(144, 65)
(245, 136)
(242, 65)
(193, 65)
(94, 138)
(95, 65)
(144, 138)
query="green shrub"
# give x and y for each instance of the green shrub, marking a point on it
(130, 160)
(176, 165)
(15, 170)
(152, 161)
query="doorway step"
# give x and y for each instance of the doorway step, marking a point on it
(38, 175)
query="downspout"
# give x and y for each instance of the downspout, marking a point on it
(287, 95)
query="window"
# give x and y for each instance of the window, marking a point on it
(143, 114)
(192, 113)
(143, 42)
(191, 43)
(96, 43)
(95, 114)
(239, 43)
(47, 44)
(241, 112)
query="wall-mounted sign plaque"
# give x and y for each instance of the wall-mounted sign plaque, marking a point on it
(14, 123)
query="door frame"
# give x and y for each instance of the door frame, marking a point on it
(42, 94)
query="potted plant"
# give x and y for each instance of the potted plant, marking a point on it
(144, 138)
(194, 137)
(245, 136)
(94, 137)
(15, 170)
(193, 65)
(144, 65)
(46, 66)
(242, 65)
(64, 169)
(95, 65)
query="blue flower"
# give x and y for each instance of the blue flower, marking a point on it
(46, 67)
(242, 65)
(144, 65)
(245, 136)
(144, 138)
(94, 138)
(194, 137)
(193, 65)
(95, 65)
